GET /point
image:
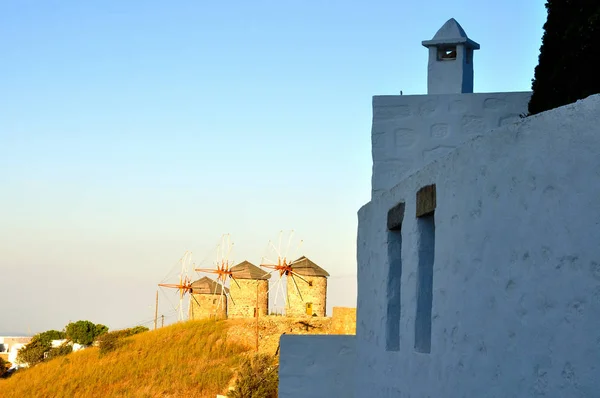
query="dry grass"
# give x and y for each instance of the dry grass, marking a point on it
(187, 359)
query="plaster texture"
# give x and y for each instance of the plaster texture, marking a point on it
(317, 366)
(411, 131)
(314, 293)
(515, 309)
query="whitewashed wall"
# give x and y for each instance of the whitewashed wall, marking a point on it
(516, 283)
(14, 352)
(317, 366)
(410, 131)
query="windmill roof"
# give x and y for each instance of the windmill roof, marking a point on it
(247, 270)
(303, 266)
(451, 33)
(207, 286)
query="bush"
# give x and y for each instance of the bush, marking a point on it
(257, 378)
(32, 353)
(567, 67)
(136, 330)
(3, 366)
(84, 332)
(45, 338)
(111, 341)
(60, 351)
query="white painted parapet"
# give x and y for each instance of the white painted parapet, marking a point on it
(317, 366)
(410, 131)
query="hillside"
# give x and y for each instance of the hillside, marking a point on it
(187, 359)
(195, 358)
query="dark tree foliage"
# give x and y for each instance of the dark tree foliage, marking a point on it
(46, 337)
(110, 341)
(63, 349)
(257, 378)
(33, 352)
(568, 63)
(2, 366)
(84, 332)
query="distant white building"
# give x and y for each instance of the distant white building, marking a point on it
(478, 254)
(76, 346)
(10, 346)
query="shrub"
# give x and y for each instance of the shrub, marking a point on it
(136, 330)
(567, 67)
(59, 351)
(84, 332)
(109, 342)
(3, 366)
(45, 338)
(112, 340)
(257, 378)
(32, 353)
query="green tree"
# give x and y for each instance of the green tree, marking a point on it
(100, 329)
(84, 332)
(567, 70)
(33, 352)
(46, 337)
(257, 378)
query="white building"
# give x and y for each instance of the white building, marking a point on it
(478, 254)
(10, 346)
(58, 343)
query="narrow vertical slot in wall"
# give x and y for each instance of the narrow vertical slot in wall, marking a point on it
(426, 203)
(394, 278)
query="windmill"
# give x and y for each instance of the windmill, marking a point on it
(284, 267)
(185, 284)
(222, 270)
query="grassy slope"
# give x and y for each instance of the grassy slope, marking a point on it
(188, 359)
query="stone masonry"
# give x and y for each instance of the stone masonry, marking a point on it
(244, 297)
(314, 295)
(343, 320)
(248, 280)
(208, 300)
(311, 282)
(207, 306)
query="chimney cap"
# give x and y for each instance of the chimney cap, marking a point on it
(451, 33)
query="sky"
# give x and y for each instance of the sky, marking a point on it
(132, 131)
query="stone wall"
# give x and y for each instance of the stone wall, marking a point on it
(317, 366)
(344, 320)
(410, 131)
(515, 308)
(207, 306)
(314, 292)
(244, 298)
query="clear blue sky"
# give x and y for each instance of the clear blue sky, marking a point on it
(131, 131)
